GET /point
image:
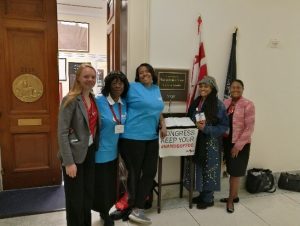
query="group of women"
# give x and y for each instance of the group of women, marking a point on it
(230, 123)
(91, 130)
(127, 119)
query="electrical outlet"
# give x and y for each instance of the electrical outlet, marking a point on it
(274, 43)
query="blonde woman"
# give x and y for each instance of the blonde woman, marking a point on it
(78, 125)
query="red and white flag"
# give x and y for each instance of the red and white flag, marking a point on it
(199, 69)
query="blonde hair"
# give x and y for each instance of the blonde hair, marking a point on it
(76, 88)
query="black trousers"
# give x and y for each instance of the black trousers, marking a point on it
(79, 191)
(105, 186)
(140, 158)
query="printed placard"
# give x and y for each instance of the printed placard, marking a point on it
(178, 142)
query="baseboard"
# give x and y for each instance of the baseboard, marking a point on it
(1, 183)
(172, 191)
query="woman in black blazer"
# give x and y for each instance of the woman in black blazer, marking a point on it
(78, 125)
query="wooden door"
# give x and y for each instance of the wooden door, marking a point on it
(29, 93)
(113, 35)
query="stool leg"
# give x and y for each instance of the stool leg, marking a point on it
(181, 176)
(159, 185)
(191, 188)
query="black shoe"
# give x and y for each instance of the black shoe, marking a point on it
(236, 200)
(148, 202)
(108, 221)
(120, 214)
(230, 210)
(117, 215)
(196, 199)
(204, 205)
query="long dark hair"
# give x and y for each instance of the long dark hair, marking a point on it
(115, 75)
(150, 69)
(210, 107)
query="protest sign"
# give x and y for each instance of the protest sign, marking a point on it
(178, 142)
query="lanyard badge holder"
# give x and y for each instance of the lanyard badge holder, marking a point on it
(90, 112)
(119, 128)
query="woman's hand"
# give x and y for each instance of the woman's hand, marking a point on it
(71, 170)
(201, 124)
(163, 132)
(234, 152)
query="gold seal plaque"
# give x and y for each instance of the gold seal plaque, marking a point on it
(27, 88)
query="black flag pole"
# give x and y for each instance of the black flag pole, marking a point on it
(231, 72)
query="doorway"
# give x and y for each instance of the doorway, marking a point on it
(28, 94)
(81, 39)
(28, 119)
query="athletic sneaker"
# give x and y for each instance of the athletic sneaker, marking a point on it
(138, 215)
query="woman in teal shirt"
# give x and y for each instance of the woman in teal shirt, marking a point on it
(139, 143)
(113, 115)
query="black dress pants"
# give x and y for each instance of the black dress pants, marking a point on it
(105, 186)
(140, 158)
(79, 191)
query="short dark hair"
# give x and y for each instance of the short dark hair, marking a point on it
(238, 81)
(115, 75)
(150, 69)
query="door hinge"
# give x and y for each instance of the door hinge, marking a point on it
(2, 171)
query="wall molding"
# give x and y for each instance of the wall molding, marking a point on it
(137, 35)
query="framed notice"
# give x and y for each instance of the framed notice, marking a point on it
(173, 83)
(60, 91)
(73, 36)
(62, 69)
(73, 67)
(100, 77)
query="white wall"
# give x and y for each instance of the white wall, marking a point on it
(138, 35)
(271, 75)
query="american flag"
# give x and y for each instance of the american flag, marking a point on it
(231, 72)
(199, 68)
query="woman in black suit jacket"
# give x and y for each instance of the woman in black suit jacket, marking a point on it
(78, 125)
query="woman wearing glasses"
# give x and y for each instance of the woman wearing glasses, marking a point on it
(113, 115)
(241, 113)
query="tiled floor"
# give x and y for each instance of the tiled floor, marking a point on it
(281, 208)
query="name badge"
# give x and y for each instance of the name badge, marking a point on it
(119, 129)
(91, 140)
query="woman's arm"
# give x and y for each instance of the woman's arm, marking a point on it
(249, 122)
(163, 128)
(64, 126)
(221, 127)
